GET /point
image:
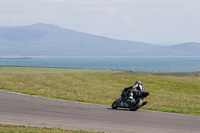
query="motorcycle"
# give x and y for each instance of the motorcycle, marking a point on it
(134, 104)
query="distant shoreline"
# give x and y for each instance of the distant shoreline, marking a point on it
(32, 57)
(17, 58)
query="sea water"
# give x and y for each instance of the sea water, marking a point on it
(148, 64)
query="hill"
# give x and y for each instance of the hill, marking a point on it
(51, 40)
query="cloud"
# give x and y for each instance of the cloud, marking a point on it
(52, 1)
(58, 1)
(128, 20)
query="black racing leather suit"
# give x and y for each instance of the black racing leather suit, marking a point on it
(128, 92)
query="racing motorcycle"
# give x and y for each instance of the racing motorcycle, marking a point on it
(134, 104)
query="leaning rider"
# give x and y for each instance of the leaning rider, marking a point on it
(128, 92)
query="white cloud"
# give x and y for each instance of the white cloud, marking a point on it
(51, 1)
(129, 21)
(58, 1)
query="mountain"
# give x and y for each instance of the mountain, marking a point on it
(186, 49)
(51, 40)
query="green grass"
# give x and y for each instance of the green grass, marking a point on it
(179, 94)
(5, 128)
(181, 74)
(41, 70)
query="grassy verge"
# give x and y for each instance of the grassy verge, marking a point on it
(168, 93)
(42, 70)
(5, 128)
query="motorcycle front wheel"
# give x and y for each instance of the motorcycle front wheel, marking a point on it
(115, 104)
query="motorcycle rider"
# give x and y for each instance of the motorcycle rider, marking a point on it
(127, 94)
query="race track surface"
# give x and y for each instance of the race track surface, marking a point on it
(38, 111)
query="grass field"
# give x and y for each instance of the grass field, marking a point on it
(169, 92)
(5, 128)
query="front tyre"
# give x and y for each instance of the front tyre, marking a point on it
(115, 104)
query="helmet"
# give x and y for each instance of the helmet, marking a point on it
(138, 82)
(140, 86)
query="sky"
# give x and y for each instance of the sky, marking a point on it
(163, 22)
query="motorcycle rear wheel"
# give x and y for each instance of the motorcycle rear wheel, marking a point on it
(137, 106)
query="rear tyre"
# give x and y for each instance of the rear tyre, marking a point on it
(137, 106)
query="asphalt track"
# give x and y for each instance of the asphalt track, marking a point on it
(46, 112)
